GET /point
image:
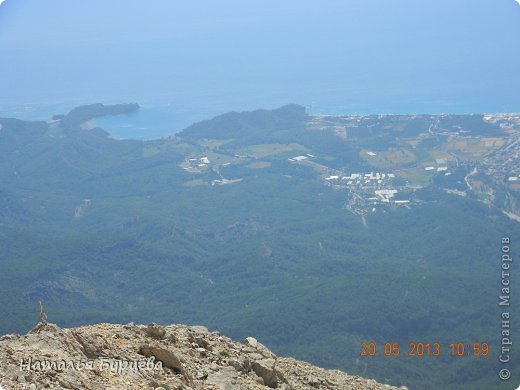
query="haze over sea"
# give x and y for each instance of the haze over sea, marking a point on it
(188, 62)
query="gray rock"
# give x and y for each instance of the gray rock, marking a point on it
(10, 337)
(194, 363)
(167, 357)
(156, 332)
(199, 329)
(241, 366)
(202, 342)
(260, 381)
(265, 370)
(224, 379)
(251, 341)
(259, 347)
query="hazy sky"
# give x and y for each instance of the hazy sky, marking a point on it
(210, 56)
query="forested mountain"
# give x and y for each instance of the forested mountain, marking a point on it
(314, 233)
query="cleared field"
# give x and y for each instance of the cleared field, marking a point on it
(152, 149)
(472, 147)
(413, 142)
(219, 159)
(259, 165)
(181, 147)
(391, 158)
(440, 154)
(194, 183)
(265, 150)
(493, 143)
(416, 176)
(213, 143)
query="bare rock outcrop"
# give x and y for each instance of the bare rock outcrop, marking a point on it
(110, 356)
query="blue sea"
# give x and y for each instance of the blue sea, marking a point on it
(161, 118)
(145, 124)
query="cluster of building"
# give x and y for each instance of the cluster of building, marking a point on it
(504, 164)
(196, 165)
(441, 165)
(506, 121)
(387, 196)
(201, 162)
(361, 179)
(300, 158)
(367, 190)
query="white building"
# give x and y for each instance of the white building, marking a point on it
(332, 177)
(385, 195)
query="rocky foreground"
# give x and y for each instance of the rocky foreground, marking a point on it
(108, 356)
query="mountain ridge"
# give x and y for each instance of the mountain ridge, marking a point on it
(115, 356)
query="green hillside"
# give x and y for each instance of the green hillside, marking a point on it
(220, 225)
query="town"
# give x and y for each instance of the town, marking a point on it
(389, 173)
